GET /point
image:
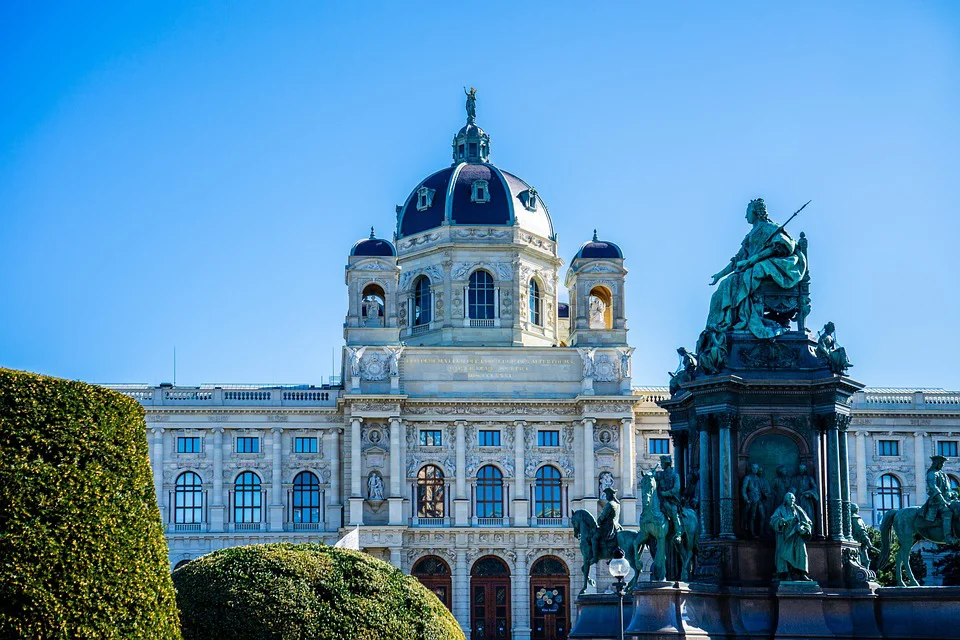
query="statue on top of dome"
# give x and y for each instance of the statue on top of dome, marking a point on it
(471, 104)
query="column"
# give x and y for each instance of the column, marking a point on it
(589, 468)
(521, 599)
(920, 461)
(461, 506)
(834, 502)
(843, 421)
(628, 467)
(461, 591)
(861, 456)
(335, 501)
(217, 508)
(726, 476)
(706, 502)
(158, 474)
(275, 513)
(520, 508)
(356, 468)
(396, 464)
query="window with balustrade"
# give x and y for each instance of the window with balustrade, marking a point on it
(247, 498)
(306, 498)
(422, 301)
(889, 496)
(481, 296)
(536, 306)
(430, 492)
(548, 493)
(489, 492)
(188, 499)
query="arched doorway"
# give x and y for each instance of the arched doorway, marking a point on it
(434, 574)
(549, 599)
(490, 599)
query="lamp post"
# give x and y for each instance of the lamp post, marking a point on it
(619, 567)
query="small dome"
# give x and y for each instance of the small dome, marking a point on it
(373, 246)
(597, 248)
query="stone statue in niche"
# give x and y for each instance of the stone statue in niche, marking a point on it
(751, 492)
(374, 487)
(806, 491)
(685, 371)
(765, 492)
(625, 361)
(828, 349)
(598, 311)
(781, 485)
(606, 482)
(793, 528)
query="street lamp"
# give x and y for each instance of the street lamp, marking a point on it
(619, 568)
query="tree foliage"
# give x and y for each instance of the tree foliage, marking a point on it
(82, 552)
(293, 591)
(885, 576)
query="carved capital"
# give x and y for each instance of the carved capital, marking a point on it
(703, 422)
(843, 421)
(727, 419)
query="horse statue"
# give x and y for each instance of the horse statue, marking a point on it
(585, 529)
(910, 527)
(655, 528)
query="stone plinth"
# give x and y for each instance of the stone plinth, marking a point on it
(919, 612)
(597, 616)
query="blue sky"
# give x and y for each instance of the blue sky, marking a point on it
(193, 175)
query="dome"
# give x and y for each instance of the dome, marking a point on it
(373, 246)
(599, 249)
(473, 191)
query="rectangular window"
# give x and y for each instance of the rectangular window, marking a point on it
(947, 448)
(248, 445)
(489, 438)
(191, 444)
(889, 447)
(548, 438)
(659, 446)
(305, 445)
(430, 438)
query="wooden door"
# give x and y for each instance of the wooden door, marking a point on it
(490, 608)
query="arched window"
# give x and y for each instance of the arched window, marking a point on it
(306, 497)
(188, 499)
(434, 574)
(536, 316)
(481, 297)
(547, 493)
(247, 505)
(954, 483)
(889, 496)
(422, 311)
(372, 306)
(430, 492)
(600, 308)
(489, 492)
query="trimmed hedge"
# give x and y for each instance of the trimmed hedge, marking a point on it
(305, 591)
(82, 553)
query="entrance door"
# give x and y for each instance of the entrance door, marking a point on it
(550, 601)
(490, 600)
(434, 573)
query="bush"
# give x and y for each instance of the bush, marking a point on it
(82, 553)
(885, 576)
(298, 591)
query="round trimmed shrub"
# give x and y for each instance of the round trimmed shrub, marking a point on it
(82, 553)
(290, 591)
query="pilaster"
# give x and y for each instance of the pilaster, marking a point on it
(158, 473)
(461, 505)
(861, 456)
(275, 512)
(920, 462)
(520, 507)
(356, 471)
(521, 598)
(726, 421)
(706, 495)
(461, 591)
(335, 505)
(834, 501)
(628, 466)
(589, 468)
(842, 423)
(217, 508)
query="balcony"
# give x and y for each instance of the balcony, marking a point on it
(476, 323)
(492, 522)
(419, 329)
(550, 522)
(307, 526)
(187, 528)
(220, 395)
(246, 526)
(430, 522)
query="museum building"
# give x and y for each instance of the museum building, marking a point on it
(476, 412)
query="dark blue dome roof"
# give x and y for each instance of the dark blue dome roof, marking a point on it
(373, 246)
(599, 249)
(507, 200)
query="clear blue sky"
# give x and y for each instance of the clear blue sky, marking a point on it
(194, 174)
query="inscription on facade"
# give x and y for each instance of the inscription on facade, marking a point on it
(492, 367)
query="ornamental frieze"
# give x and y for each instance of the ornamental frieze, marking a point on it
(375, 406)
(497, 410)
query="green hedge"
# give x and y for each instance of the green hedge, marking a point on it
(305, 591)
(82, 553)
